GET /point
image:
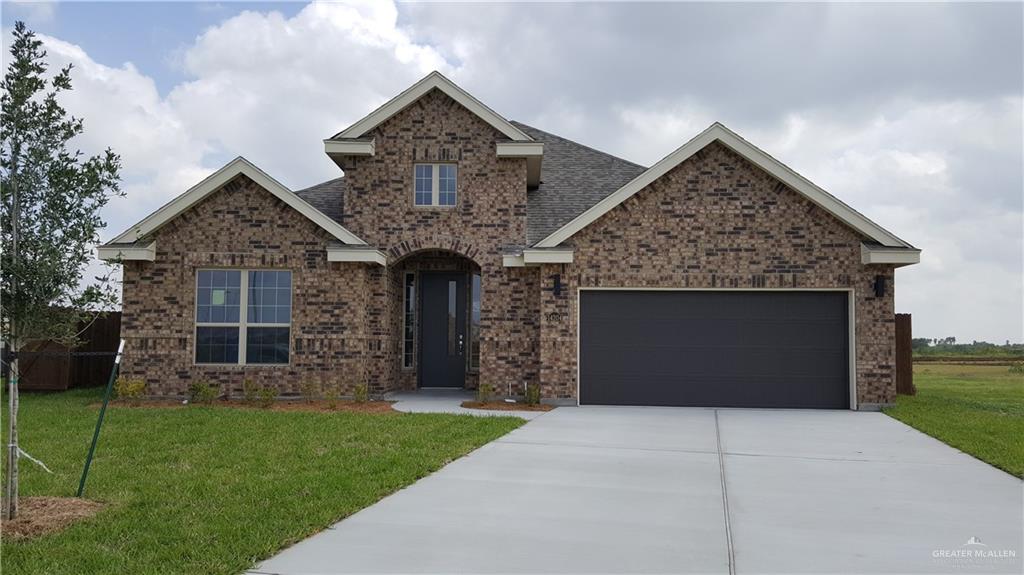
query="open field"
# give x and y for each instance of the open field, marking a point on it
(978, 409)
(211, 489)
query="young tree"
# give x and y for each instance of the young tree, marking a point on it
(49, 223)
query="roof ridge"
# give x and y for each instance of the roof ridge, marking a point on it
(324, 183)
(575, 143)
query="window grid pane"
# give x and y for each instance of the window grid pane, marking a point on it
(474, 325)
(270, 297)
(266, 345)
(218, 296)
(424, 184)
(216, 344)
(446, 185)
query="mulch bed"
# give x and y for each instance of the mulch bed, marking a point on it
(504, 406)
(39, 516)
(318, 406)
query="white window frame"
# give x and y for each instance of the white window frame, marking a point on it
(243, 316)
(435, 185)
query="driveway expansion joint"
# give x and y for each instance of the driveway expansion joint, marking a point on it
(725, 499)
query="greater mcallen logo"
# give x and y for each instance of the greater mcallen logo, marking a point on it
(974, 552)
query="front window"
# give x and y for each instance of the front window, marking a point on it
(435, 184)
(224, 334)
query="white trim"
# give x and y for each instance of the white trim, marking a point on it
(532, 152)
(851, 324)
(519, 149)
(777, 169)
(417, 91)
(125, 253)
(512, 261)
(415, 328)
(548, 256)
(349, 254)
(243, 319)
(214, 182)
(884, 255)
(534, 257)
(349, 148)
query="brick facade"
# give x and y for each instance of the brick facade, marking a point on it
(717, 221)
(714, 221)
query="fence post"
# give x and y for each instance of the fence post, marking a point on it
(904, 356)
(99, 420)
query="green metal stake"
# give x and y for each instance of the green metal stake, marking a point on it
(99, 421)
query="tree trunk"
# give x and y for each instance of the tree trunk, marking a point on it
(11, 490)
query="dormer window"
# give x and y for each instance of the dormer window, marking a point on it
(435, 184)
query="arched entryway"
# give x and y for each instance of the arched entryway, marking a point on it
(438, 319)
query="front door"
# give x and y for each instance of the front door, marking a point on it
(443, 342)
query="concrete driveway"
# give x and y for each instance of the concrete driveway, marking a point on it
(680, 490)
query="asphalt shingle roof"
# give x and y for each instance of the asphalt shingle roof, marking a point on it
(327, 197)
(573, 178)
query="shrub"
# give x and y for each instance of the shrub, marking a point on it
(361, 393)
(266, 396)
(129, 389)
(310, 391)
(484, 392)
(250, 391)
(1017, 367)
(201, 392)
(331, 395)
(532, 394)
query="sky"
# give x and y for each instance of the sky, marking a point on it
(910, 113)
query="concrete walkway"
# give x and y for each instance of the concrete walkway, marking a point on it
(644, 490)
(447, 401)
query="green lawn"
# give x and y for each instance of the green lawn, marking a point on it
(212, 490)
(978, 409)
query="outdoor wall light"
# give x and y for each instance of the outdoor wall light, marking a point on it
(879, 286)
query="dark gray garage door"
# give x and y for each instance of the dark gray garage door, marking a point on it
(720, 348)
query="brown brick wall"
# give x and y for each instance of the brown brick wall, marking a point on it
(242, 226)
(718, 221)
(490, 215)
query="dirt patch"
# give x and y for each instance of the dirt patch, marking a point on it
(317, 406)
(503, 406)
(39, 516)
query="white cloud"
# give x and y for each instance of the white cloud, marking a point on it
(930, 156)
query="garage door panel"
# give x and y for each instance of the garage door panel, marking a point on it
(737, 349)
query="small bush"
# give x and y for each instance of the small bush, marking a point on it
(484, 392)
(1017, 367)
(129, 389)
(361, 393)
(331, 395)
(201, 392)
(266, 396)
(532, 394)
(310, 391)
(250, 391)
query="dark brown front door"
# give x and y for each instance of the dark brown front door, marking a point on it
(443, 341)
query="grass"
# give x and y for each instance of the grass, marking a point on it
(213, 490)
(978, 409)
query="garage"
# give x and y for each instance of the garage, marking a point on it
(731, 348)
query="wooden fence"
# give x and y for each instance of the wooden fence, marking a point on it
(50, 366)
(904, 356)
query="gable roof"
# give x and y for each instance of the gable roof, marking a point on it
(432, 81)
(573, 178)
(718, 132)
(198, 192)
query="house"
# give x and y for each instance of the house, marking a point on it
(462, 249)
